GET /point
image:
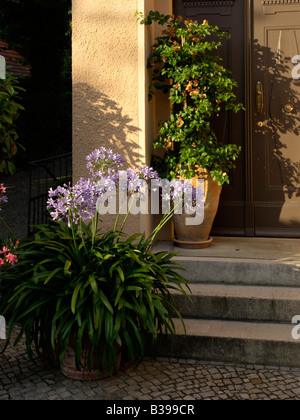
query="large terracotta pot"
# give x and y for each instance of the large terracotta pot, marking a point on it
(197, 236)
(69, 369)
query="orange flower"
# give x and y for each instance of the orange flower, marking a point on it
(189, 86)
(205, 22)
(195, 92)
(180, 123)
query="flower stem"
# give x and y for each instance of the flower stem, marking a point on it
(96, 219)
(8, 228)
(163, 221)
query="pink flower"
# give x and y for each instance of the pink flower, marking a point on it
(11, 258)
(4, 250)
(1, 262)
(3, 198)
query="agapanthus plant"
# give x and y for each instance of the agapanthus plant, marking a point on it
(78, 203)
(98, 292)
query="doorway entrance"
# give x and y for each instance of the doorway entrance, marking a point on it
(263, 198)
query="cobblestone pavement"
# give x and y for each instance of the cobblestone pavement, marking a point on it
(154, 379)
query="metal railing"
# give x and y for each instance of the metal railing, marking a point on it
(44, 174)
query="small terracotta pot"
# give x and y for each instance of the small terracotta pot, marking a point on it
(197, 236)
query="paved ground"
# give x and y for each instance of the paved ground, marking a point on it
(154, 379)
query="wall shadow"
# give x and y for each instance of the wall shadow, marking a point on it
(100, 121)
(276, 157)
(281, 90)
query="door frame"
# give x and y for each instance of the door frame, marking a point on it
(248, 37)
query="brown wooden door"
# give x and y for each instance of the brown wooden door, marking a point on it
(263, 198)
(276, 126)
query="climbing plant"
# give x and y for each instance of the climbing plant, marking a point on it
(185, 65)
(9, 113)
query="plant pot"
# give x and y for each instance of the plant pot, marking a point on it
(197, 236)
(69, 369)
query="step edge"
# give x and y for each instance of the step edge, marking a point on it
(242, 330)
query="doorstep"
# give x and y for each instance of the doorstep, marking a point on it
(253, 261)
(245, 248)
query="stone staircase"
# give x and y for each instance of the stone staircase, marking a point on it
(240, 310)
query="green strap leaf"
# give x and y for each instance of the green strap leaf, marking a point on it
(74, 298)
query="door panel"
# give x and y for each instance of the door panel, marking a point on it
(276, 140)
(228, 16)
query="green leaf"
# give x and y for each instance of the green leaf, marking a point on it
(105, 301)
(54, 272)
(121, 273)
(119, 294)
(74, 297)
(93, 283)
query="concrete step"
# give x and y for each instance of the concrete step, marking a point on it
(241, 271)
(242, 261)
(232, 341)
(239, 302)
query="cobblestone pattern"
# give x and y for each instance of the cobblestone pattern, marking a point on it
(154, 379)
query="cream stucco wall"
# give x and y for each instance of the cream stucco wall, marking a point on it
(110, 83)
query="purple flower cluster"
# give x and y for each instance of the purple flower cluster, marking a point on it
(147, 173)
(79, 202)
(102, 161)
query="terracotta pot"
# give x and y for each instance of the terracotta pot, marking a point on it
(69, 369)
(197, 236)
